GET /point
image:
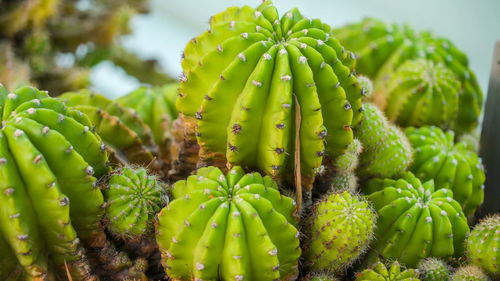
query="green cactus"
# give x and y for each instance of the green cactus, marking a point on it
(340, 229)
(432, 269)
(381, 48)
(319, 277)
(483, 245)
(451, 165)
(379, 272)
(233, 227)
(415, 220)
(386, 150)
(269, 93)
(469, 273)
(344, 167)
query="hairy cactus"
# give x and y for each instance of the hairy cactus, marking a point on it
(381, 48)
(483, 245)
(345, 169)
(432, 269)
(469, 273)
(319, 277)
(386, 150)
(341, 227)
(415, 220)
(127, 137)
(233, 227)
(379, 272)
(451, 165)
(269, 93)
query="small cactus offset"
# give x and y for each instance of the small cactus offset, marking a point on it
(379, 272)
(340, 229)
(416, 220)
(483, 245)
(228, 227)
(269, 93)
(451, 165)
(345, 169)
(469, 273)
(319, 277)
(432, 269)
(386, 150)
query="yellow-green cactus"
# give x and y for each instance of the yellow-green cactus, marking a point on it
(228, 227)
(432, 269)
(379, 272)
(483, 245)
(469, 273)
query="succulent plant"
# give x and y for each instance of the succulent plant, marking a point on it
(432, 269)
(483, 245)
(469, 273)
(339, 231)
(381, 48)
(379, 272)
(233, 227)
(386, 150)
(128, 138)
(319, 277)
(268, 93)
(415, 220)
(451, 165)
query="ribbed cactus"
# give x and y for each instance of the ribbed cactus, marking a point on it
(319, 277)
(339, 231)
(233, 227)
(379, 272)
(469, 273)
(432, 269)
(483, 245)
(49, 198)
(451, 165)
(386, 150)
(381, 48)
(269, 93)
(127, 137)
(415, 220)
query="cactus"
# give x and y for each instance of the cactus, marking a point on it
(381, 48)
(451, 165)
(386, 150)
(432, 269)
(127, 137)
(483, 245)
(233, 227)
(319, 277)
(469, 273)
(340, 229)
(415, 220)
(268, 93)
(379, 272)
(344, 167)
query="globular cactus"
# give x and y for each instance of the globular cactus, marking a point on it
(386, 150)
(269, 93)
(233, 227)
(469, 273)
(432, 269)
(345, 169)
(415, 220)
(319, 277)
(128, 138)
(379, 272)
(339, 231)
(382, 48)
(451, 165)
(483, 245)
(156, 107)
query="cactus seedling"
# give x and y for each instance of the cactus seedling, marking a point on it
(415, 220)
(451, 165)
(379, 272)
(269, 93)
(432, 269)
(483, 245)
(469, 273)
(233, 227)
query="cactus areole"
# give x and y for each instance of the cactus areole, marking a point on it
(269, 93)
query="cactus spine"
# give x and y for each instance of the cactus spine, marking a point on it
(379, 272)
(483, 245)
(469, 273)
(432, 269)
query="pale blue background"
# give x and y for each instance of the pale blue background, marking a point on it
(474, 26)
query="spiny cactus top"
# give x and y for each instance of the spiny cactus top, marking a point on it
(48, 159)
(261, 86)
(233, 227)
(432, 269)
(381, 48)
(451, 165)
(483, 245)
(133, 198)
(415, 220)
(379, 272)
(469, 273)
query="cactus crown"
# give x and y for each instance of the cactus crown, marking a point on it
(482, 244)
(432, 269)
(469, 273)
(379, 271)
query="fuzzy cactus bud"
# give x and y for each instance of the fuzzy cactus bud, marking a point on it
(483, 245)
(432, 269)
(469, 273)
(319, 277)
